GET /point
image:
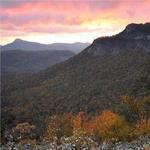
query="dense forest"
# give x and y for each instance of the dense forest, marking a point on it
(102, 93)
(23, 62)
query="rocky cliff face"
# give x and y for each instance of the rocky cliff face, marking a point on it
(135, 37)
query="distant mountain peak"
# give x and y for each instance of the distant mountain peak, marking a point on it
(19, 44)
(18, 40)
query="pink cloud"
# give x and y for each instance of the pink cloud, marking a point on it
(70, 16)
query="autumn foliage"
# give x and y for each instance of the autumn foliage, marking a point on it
(59, 126)
(108, 126)
(24, 128)
(143, 127)
(25, 133)
(78, 121)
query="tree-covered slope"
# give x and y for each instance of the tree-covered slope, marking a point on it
(91, 81)
(18, 61)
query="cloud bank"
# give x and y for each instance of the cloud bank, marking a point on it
(69, 17)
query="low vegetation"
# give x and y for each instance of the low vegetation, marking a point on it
(108, 126)
(82, 130)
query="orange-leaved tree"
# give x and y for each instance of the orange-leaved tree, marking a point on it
(78, 121)
(111, 126)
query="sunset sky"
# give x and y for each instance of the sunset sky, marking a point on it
(49, 21)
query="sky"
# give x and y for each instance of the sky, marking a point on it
(68, 21)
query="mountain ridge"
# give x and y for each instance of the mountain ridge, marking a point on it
(88, 81)
(132, 38)
(35, 46)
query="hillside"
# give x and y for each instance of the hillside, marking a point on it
(91, 81)
(34, 46)
(18, 61)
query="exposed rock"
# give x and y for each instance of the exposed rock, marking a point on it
(135, 37)
(142, 143)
